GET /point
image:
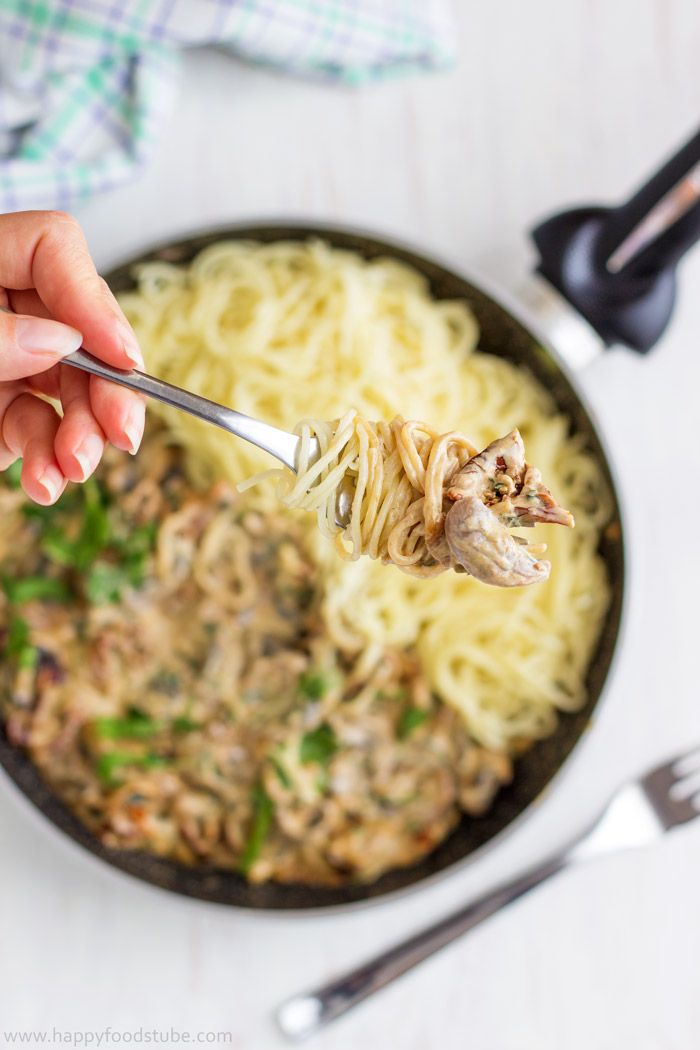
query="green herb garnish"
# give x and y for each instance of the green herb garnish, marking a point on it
(94, 533)
(313, 685)
(28, 658)
(57, 548)
(185, 725)
(398, 694)
(263, 810)
(78, 553)
(409, 719)
(70, 500)
(17, 636)
(29, 588)
(17, 645)
(137, 727)
(107, 765)
(106, 561)
(282, 774)
(140, 541)
(319, 745)
(14, 473)
(104, 583)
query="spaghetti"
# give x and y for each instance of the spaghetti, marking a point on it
(288, 331)
(422, 501)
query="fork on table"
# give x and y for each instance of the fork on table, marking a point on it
(639, 812)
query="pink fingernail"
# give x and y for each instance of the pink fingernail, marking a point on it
(51, 480)
(133, 428)
(88, 454)
(130, 344)
(40, 335)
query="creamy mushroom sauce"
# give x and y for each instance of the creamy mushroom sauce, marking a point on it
(166, 666)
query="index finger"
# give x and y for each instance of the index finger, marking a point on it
(46, 250)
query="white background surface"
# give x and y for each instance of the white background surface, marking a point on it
(552, 104)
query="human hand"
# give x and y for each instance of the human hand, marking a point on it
(47, 276)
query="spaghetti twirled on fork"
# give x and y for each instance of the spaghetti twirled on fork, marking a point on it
(423, 501)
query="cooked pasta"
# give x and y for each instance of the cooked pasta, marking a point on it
(291, 331)
(422, 501)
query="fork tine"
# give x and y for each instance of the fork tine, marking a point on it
(686, 787)
(658, 785)
(687, 763)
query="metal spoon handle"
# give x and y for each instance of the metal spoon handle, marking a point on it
(279, 443)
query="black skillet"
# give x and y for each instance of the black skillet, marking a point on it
(606, 276)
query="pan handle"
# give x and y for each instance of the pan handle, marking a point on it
(617, 265)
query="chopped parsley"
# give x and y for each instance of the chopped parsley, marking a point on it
(282, 774)
(409, 719)
(105, 582)
(109, 764)
(28, 658)
(17, 636)
(315, 684)
(17, 645)
(28, 588)
(263, 811)
(136, 727)
(102, 560)
(13, 474)
(398, 694)
(319, 745)
(183, 724)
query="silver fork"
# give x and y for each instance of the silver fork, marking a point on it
(639, 812)
(279, 443)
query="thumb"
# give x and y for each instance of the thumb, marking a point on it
(29, 345)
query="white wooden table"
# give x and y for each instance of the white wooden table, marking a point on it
(553, 103)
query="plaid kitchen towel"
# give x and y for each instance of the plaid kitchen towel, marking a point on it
(85, 85)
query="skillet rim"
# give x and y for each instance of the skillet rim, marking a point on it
(200, 884)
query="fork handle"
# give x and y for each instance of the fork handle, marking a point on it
(280, 443)
(305, 1014)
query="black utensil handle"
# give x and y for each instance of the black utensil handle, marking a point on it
(679, 186)
(617, 265)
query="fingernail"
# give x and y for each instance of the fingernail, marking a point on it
(88, 454)
(133, 428)
(51, 481)
(130, 344)
(38, 334)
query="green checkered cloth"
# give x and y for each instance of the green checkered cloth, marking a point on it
(85, 85)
